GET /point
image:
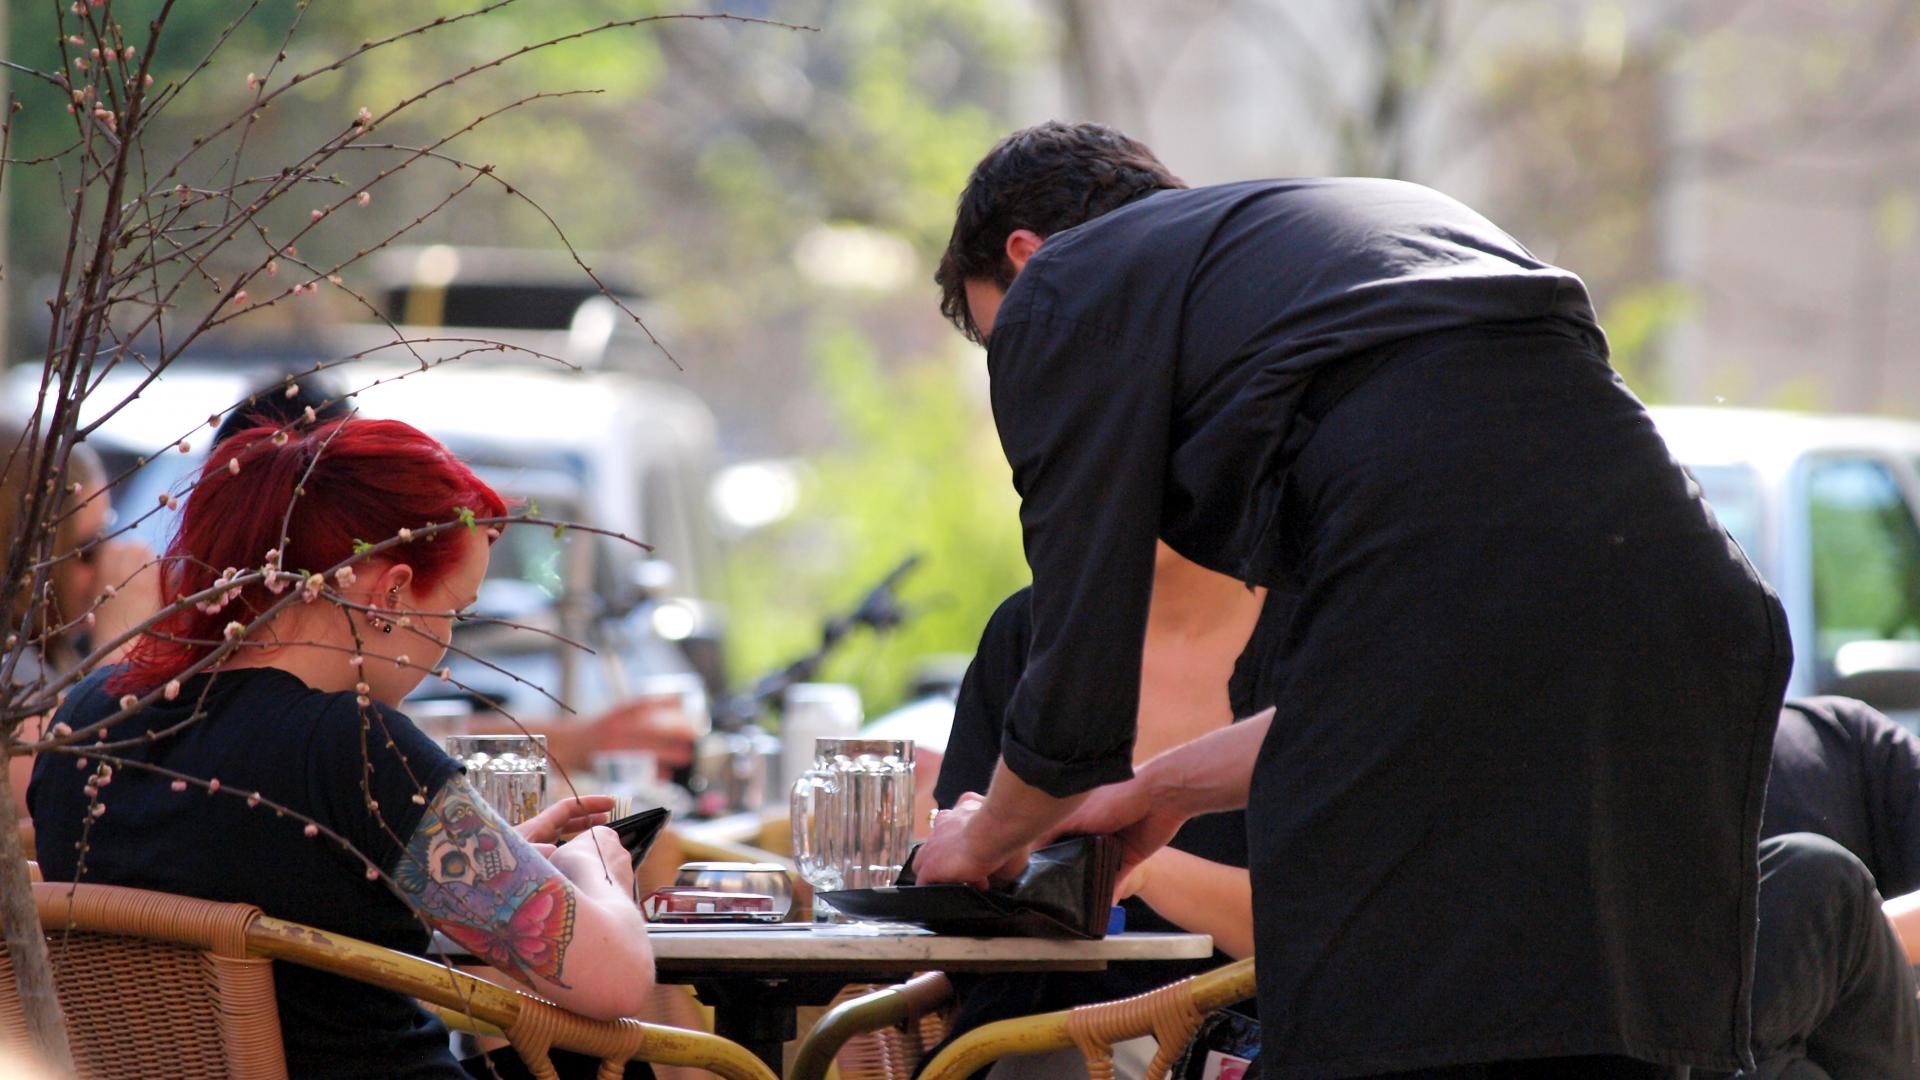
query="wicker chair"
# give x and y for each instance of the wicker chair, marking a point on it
(1171, 1014)
(190, 983)
(877, 1032)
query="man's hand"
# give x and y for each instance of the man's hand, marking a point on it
(952, 852)
(1129, 812)
(566, 817)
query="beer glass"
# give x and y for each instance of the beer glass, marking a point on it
(852, 813)
(508, 771)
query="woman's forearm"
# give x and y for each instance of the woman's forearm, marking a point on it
(1202, 897)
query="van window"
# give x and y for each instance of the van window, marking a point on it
(1866, 556)
(1734, 493)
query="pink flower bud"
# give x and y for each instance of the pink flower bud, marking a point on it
(178, 785)
(401, 660)
(233, 466)
(273, 267)
(363, 198)
(292, 391)
(187, 447)
(373, 873)
(98, 809)
(172, 691)
(253, 799)
(363, 701)
(213, 785)
(311, 829)
(356, 661)
(149, 80)
(406, 535)
(128, 701)
(240, 298)
(318, 214)
(253, 81)
(234, 630)
(279, 438)
(364, 118)
(362, 688)
(446, 674)
(419, 799)
(309, 416)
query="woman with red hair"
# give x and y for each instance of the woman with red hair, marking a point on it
(284, 775)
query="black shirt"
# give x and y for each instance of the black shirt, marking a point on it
(267, 731)
(1844, 771)
(1147, 368)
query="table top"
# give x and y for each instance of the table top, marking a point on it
(883, 949)
(682, 952)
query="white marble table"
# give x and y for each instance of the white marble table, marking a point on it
(878, 949)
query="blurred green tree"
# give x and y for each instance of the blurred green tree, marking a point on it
(918, 472)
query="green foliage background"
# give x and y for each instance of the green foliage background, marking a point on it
(709, 151)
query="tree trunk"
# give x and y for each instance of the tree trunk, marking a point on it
(26, 943)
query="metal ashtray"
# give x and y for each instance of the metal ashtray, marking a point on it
(758, 879)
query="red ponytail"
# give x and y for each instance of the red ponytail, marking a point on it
(369, 479)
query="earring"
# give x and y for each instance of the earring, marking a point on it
(384, 624)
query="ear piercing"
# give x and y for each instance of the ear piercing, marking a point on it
(382, 623)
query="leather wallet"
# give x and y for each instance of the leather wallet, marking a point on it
(1066, 891)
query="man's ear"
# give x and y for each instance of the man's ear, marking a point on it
(1021, 244)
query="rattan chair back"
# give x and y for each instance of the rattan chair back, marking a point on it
(1171, 1014)
(894, 1051)
(146, 977)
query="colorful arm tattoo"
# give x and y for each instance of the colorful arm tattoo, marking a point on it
(471, 875)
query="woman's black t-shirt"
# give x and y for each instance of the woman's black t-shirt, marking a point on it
(265, 730)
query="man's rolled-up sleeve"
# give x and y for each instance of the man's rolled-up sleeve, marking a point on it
(1083, 417)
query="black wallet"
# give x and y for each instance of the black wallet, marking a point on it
(1066, 891)
(637, 832)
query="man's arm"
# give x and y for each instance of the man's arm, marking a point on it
(568, 928)
(1084, 423)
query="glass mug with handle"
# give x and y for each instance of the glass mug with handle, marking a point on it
(852, 815)
(508, 771)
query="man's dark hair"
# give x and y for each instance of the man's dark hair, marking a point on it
(1047, 178)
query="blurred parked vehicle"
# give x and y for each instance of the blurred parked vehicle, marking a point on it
(1828, 509)
(563, 420)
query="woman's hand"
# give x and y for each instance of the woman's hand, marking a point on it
(566, 817)
(1138, 880)
(595, 859)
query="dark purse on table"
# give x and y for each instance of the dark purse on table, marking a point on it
(1066, 891)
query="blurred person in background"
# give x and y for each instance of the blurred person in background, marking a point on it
(1503, 824)
(87, 565)
(381, 836)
